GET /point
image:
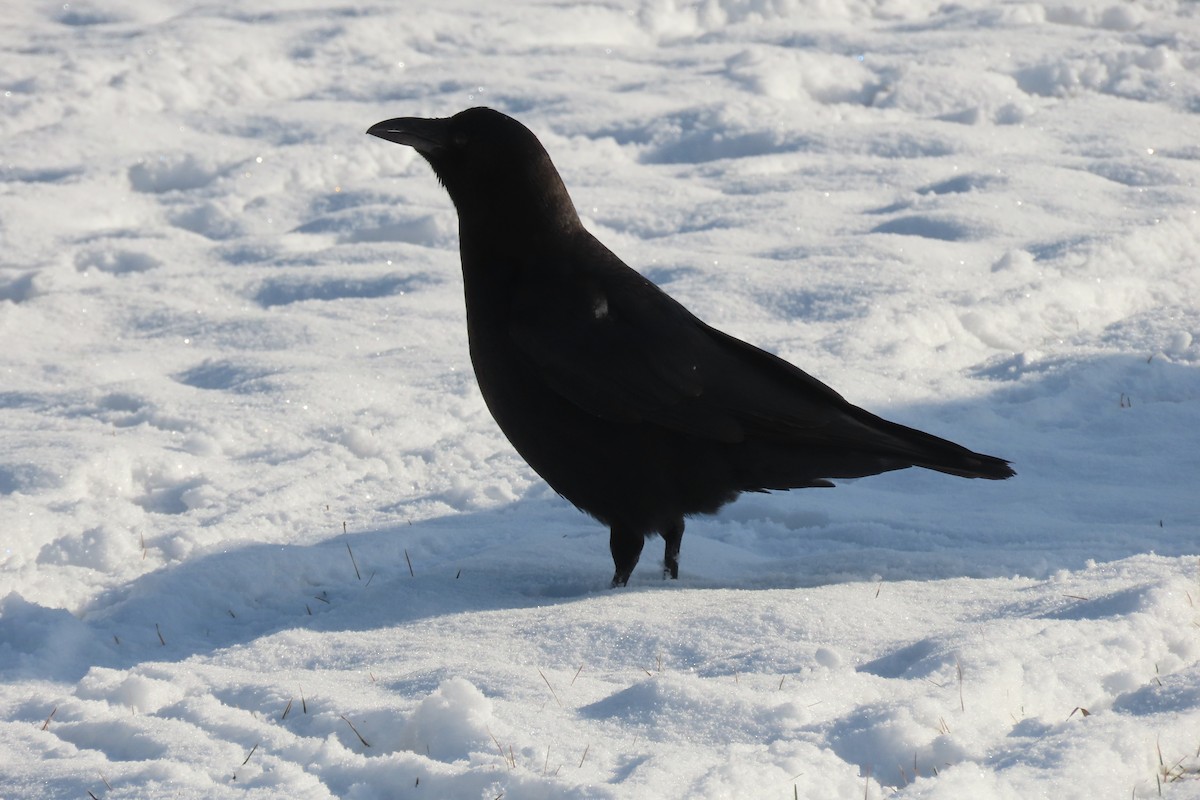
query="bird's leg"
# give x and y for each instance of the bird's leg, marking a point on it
(673, 536)
(626, 548)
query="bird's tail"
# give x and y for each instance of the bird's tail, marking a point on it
(922, 449)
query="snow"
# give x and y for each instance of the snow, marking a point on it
(259, 536)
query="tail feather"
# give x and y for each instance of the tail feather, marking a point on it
(941, 455)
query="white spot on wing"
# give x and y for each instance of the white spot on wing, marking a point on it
(600, 306)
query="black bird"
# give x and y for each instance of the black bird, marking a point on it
(624, 402)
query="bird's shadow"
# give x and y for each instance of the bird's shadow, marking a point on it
(537, 551)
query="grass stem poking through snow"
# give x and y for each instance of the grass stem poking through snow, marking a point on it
(551, 688)
(158, 630)
(353, 563)
(252, 749)
(409, 560)
(576, 675)
(46, 724)
(499, 746)
(958, 667)
(287, 710)
(585, 752)
(356, 733)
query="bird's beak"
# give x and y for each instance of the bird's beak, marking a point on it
(423, 135)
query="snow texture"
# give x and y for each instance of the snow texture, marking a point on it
(259, 536)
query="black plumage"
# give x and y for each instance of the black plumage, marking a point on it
(624, 402)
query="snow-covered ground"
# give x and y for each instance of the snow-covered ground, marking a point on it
(259, 536)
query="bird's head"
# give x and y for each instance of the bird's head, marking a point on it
(494, 168)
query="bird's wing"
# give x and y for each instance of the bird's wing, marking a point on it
(618, 347)
(620, 353)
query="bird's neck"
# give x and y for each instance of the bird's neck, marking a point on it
(500, 258)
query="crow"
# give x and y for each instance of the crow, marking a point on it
(628, 405)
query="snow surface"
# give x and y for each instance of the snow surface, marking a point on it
(236, 404)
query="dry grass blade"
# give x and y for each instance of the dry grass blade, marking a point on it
(356, 733)
(499, 747)
(409, 560)
(252, 749)
(158, 630)
(958, 666)
(46, 724)
(353, 562)
(551, 688)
